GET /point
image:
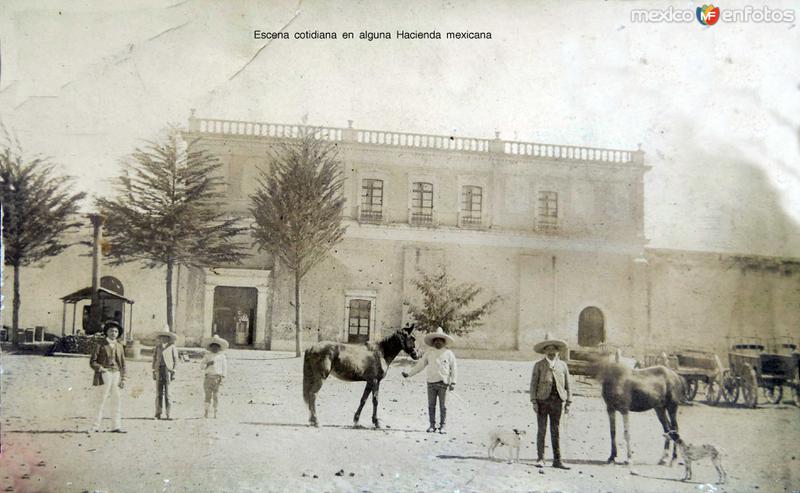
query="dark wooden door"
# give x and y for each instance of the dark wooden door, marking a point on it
(235, 306)
(591, 327)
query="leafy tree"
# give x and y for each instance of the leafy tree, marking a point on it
(39, 209)
(169, 211)
(446, 304)
(298, 209)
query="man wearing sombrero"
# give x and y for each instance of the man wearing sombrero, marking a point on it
(550, 390)
(108, 362)
(441, 374)
(165, 359)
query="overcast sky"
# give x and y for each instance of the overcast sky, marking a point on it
(716, 109)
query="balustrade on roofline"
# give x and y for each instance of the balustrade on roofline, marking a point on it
(414, 140)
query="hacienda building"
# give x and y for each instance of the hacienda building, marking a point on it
(556, 231)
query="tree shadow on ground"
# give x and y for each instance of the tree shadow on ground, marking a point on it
(344, 427)
(236, 358)
(677, 480)
(577, 462)
(48, 432)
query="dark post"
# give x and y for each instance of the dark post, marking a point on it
(94, 310)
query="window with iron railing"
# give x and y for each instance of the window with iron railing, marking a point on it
(421, 212)
(547, 213)
(471, 206)
(371, 208)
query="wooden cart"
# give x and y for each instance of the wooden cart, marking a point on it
(752, 367)
(695, 366)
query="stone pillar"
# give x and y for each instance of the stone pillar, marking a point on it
(497, 146)
(640, 331)
(349, 134)
(260, 340)
(208, 310)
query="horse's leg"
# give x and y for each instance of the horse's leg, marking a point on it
(375, 388)
(673, 423)
(627, 427)
(314, 373)
(662, 417)
(367, 390)
(612, 423)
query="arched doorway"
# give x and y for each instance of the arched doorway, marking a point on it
(591, 327)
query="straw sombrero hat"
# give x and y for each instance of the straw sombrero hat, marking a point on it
(548, 341)
(439, 334)
(223, 344)
(166, 332)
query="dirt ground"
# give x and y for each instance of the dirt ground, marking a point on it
(261, 442)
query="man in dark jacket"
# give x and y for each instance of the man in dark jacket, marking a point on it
(108, 362)
(550, 391)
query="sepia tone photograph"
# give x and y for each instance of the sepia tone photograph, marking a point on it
(372, 246)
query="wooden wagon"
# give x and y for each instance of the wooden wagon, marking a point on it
(695, 366)
(752, 367)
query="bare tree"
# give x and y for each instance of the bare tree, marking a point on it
(298, 209)
(446, 304)
(169, 211)
(39, 208)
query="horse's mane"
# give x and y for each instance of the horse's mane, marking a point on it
(607, 371)
(381, 343)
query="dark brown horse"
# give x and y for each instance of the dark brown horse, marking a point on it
(627, 390)
(353, 363)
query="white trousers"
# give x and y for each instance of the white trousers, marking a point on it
(110, 388)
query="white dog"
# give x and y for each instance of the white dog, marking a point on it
(510, 439)
(696, 452)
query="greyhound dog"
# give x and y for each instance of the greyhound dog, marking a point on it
(696, 452)
(510, 439)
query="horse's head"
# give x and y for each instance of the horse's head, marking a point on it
(408, 342)
(604, 369)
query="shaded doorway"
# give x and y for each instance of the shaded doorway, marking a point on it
(591, 327)
(358, 320)
(235, 314)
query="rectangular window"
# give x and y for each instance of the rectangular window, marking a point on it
(422, 203)
(471, 205)
(358, 320)
(371, 201)
(547, 217)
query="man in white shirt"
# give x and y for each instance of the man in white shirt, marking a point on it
(441, 375)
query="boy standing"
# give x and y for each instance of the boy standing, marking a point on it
(215, 366)
(165, 358)
(441, 375)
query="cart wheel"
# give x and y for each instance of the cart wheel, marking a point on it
(749, 387)
(729, 388)
(774, 394)
(691, 389)
(713, 392)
